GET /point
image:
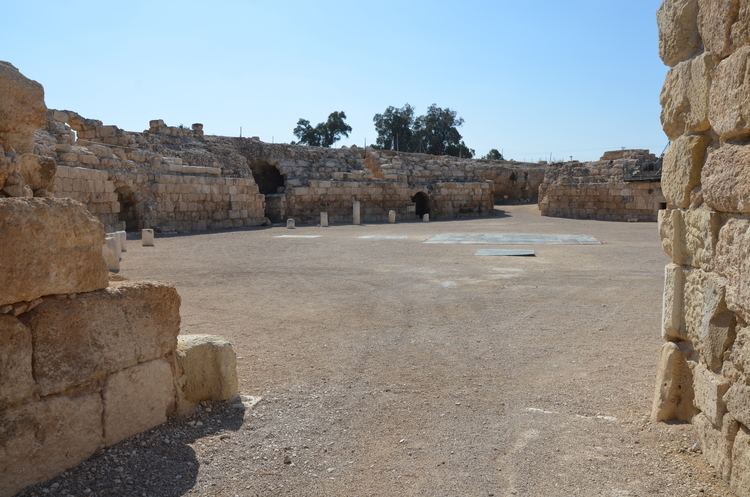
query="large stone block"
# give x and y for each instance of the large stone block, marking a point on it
(672, 315)
(49, 246)
(681, 171)
(738, 402)
(684, 97)
(137, 399)
(97, 333)
(695, 234)
(715, 20)
(716, 443)
(666, 224)
(733, 262)
(709, 389)
(208, 368)
(726, 178)
(16, 380)
(22, 109)
(740, 480)
(673, 398)
(41, 439)
(729, 108)
(678, 30)
(708, 324)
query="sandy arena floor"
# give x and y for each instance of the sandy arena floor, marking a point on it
(397, 368)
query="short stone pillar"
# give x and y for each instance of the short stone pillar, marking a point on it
(392, 216)
(356, 218)
(123, 238)
(111, 253)
(323, 219)
(290, 224)
(147, 237)
(425, 218)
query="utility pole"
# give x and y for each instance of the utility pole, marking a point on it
(240, 131)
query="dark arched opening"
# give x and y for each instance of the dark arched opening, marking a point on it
(128, 208)
(422, 202)
(268, 177)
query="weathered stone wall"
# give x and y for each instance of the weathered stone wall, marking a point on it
(614, 188)
(84, 363)
(93, 189)
(705, 229)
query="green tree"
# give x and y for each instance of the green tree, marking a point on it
(436, 133)
(323, 134)
(394, 128)
(494, 154)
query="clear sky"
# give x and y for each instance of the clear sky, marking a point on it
(530, 77)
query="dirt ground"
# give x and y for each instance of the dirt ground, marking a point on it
(398, 368)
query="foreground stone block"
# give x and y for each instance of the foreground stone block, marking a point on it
(672, 314)
(678, 30)
(738, 402)
(137, 399)
(49, 246)
(729, 110)
(147, 237)
(82, 339)
(733, 262)
(22, 109)
(696, 234)
(709, 389)
(740, 480)
(726, 179)
(111, 253)
(716, 443)
(392, 216)
(209, 368)
(16, 380)
(684, 98)
(323, 219)
(665, 224)
(673, 399)
(715, 21)
(41, 439)
(356, 217)
(681, 171)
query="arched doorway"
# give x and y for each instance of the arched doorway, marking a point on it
(128, 208)
(272, 184)
(422, 202)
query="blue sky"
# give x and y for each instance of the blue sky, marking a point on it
(530, 77)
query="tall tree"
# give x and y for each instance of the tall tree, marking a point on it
(323, 134)
(394, 128)
(493, 154)
(436, 133)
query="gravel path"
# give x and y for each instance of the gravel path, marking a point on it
(393, 367)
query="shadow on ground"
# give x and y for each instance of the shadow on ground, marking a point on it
(159, 462)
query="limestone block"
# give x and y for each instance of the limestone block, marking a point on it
(123, 240)
(137, 399)
(665, 225)
(740, 479)
(733, 262)
(715, 20)
(684, 97)
(16, 380)
(290, 224)
(696, 232)
(323, 219)
(726, 178)
(716, 443)
(678, 30)
(673, 303)
(392, 216)
(709, 389)
(681, 171)
(22, 109)
(356, 216)
(49, 246)
(97, 333)
(208, 368)
(738, 402)
(673, 398)
(42, 439)
(729, 109)
(425, 218)
(147, 237)
(111, 253)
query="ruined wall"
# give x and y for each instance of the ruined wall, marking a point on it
(615, 188)
(704, 368)
(93, 189)
(84, 362)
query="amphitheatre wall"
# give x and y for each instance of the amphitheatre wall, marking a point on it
(85, 362)
(704, 367)
(622, 186)
(178, 179)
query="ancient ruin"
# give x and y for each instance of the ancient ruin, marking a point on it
(703, 367)
(85, 362)
(623, 185)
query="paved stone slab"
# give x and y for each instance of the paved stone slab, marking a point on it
(513, 239)
(506, 252)
(296, 236)
(383, 237)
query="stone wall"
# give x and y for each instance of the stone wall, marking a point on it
(92, 188)
(84, 362)
(621, 186)
(703, 373)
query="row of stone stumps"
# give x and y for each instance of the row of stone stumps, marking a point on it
(357, 220)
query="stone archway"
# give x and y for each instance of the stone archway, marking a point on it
(422, 203)
(129, 209)
(272, 184)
